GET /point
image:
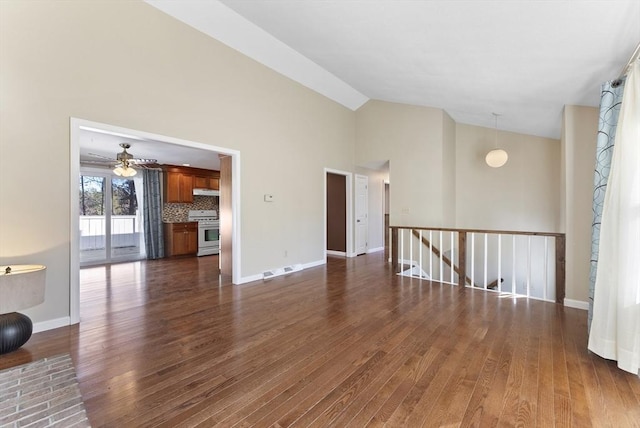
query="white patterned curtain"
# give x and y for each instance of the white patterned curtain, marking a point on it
(610, 103)
(615, 327)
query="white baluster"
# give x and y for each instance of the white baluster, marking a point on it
(486, 251)
(420, 247)
(499, 263)
(473, 259)
(529, 266)
(441, 261)
(451, 257)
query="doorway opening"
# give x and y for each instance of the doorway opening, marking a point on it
(77, 126)
(338, 213)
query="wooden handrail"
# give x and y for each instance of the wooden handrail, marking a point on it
(560, 252)
(497, 232)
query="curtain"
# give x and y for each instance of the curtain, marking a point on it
(610, 103)
(615, 327)
(152, 207)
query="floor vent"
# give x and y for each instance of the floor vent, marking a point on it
(280, 271)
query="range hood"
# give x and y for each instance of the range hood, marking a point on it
(206, 192)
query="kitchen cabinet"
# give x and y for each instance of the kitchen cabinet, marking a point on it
(206, 182)
(178, 187)
(180, 181)
(181, 239)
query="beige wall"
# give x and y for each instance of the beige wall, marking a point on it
(448, 171)
(579, 134)
(523, 195)
(128, 64)
(410, 138)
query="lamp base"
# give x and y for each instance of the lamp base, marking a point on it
(15, 330)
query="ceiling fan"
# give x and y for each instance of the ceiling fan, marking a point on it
(123, 165)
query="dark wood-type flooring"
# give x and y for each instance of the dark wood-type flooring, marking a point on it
(164, 343)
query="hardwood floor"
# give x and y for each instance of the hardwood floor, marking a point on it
(166, 343)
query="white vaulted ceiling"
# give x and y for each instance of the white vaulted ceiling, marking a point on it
(522, 59)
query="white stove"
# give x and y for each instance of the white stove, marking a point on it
(208, 231)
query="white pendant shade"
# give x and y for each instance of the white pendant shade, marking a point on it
(496, 158)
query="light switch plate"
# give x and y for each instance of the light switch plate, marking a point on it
(268, 198)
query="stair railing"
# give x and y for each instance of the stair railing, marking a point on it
(526, 274)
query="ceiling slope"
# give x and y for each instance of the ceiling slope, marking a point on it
(522, 59)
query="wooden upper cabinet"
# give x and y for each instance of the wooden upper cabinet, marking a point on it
(215, 183)
(179, 182)
(178, 187)
(206, 182)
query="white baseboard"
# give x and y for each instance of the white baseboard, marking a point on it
(51, 324)
(313, 264)
(375, 250)
(577, 304)
(336, 253)
(251, 278)
(281, 271)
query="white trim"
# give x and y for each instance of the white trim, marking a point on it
(227, 26)
(74, 171)
(314, 264)
(272, 273)
(349, 195)
(51, 324)
(577, 304)
(74, 222)
(336, 253)
(236, 273)
(280, 272)
(385, 236)
(375, 250)
(251, 278)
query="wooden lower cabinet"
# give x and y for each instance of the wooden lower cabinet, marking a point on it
(181, 239)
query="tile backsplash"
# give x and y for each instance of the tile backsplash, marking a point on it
(174, 213)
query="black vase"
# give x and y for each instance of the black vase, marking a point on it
(15, 330)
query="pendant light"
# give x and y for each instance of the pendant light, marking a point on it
(496, 157)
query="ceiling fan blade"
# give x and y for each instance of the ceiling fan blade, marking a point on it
(98, 162)
(142, 161)
(95, 155)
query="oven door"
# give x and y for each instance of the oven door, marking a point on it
(208, 239)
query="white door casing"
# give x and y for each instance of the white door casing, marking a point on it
(362, 213)
(74, 142)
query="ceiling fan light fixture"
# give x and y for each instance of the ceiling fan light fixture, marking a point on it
(125, 171)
